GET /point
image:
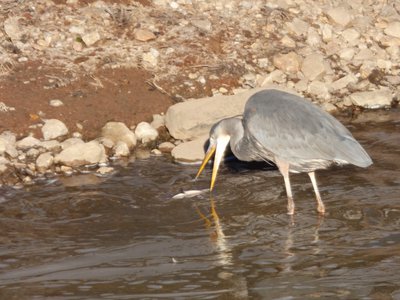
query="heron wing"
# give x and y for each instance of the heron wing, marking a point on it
(298, 131)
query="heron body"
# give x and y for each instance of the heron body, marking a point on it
(289, 131)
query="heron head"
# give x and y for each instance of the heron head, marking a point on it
(219, 140)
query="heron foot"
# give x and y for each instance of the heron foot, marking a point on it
(321, 209)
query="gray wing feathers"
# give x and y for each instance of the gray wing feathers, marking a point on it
(296, 130)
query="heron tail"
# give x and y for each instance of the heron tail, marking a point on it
(352, 152)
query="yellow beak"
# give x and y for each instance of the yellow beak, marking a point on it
(219, 150)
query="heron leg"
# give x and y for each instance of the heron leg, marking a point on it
(321, 206)
(284, 169)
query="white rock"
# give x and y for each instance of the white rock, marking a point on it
(145, 132)
(4, 161)
(298, 27)
(56, 103)
(347, 54)
(82, 154)
(105, 170)
(121, 149)
(51, 145)
(118, 131)
(313, 38)
(351, 36)
(313, 66)
(340, 15)
(364, 55)
(203, 24)
(151, 57)
(44, 161)
(12, 28)
(329, 107)
(156, 152)
(343, 82)
(319, 89)
(158, 121)
(33, 153)
(7, 142)
(190, 152)
(71, 142)
(166, 147)
(53, 129)
(28, 142)
(326, 30)
(91, 38)
(276, 76)
(372, 99)
(393, 29)
(288, 63)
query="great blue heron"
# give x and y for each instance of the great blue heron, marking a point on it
(289, 131)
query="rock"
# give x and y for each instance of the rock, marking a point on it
(91, 38)
(326, 31)
(288, 63)
(151, 57)
(158, 121)
(12, 28)
(53, 129)
(105, 170)
(51, 145)
(4, 161)
(202, 24)
(364, 55)
(393, 29)
(313, 37)
(343, 82)
(329, 107)
(276, 76)
(319, 89)
(372, 99)
(190, 152)
(298, 27)
(7, 142)
(313, 66)
(44, 161)
(27, 143)
(347, 54)
(118, 131)
(340, 15)
(143, 35)
(121, 149)
(33, 153)
(82, 154)
(166, 147)
(193, 118)
(351, 36)
(156, 152)
(145, 132)
(70, 142)
(56, 103)
(107, 142)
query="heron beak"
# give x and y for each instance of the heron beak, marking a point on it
(207, 157)
(219, 150)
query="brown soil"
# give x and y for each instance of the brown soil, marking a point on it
(108, 95)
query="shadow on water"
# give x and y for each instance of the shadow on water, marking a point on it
(124, 237)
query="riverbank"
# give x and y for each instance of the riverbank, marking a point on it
(87, 63)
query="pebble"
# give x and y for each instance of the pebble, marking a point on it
(56, 103)
(81, 154)
(121, 149)
(158, 121)
(313, 66)
(340, 15)
(118, 131)
(372, 99)
(145, 132)
(53, 129)
(288, 63)
(91, 38)
(156, 152)
(166, 147)
(105, 170)
(190, 152)
(44, 161)
(144, 35)
(71, 142)
(27, 143)
(393, 29)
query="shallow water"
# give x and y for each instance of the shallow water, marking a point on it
(124, 237)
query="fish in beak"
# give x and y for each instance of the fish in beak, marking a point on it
(219, 148)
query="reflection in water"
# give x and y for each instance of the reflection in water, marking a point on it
(124, 237)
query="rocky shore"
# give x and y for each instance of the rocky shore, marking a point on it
(341, 56)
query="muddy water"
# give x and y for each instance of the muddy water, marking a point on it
(124, 237)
